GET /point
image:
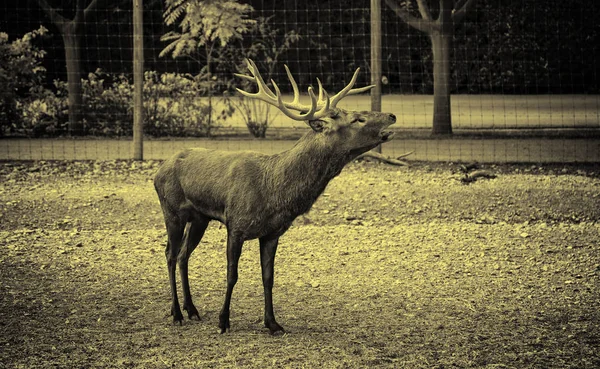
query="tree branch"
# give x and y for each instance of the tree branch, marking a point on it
(446, 7)
(385, 159)
(424, 10)
(461, 9)
(78, 18)
(55, 18)
(459, 4)
(83, 12)
(90, 9)
(420, 24)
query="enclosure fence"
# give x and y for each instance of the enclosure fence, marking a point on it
(523, 76)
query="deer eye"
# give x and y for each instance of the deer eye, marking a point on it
(358, 119)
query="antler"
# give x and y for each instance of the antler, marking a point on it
(318, 108)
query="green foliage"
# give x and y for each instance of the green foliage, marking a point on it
(204, 23)
(268, 44)
(21, 71)
(207, 30)
(171, 107)
(44, 113)
(108, 106)
(518, 61)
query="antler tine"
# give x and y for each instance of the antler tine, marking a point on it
(251, 79)
(323, 97)
(320, 90)
(264, 92)
(259, 80)
(296, 105)
(283, 106)
(294, 86)
(355, 91)
(307, 112)
(348, 90)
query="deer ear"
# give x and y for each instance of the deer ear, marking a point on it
(317, 125)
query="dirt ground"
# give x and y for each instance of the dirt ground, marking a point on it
(393, 267)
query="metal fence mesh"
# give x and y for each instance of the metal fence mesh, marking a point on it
(524, 79)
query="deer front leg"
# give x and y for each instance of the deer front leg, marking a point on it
(268, 248)
(234, 251)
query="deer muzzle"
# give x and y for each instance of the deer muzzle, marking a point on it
(384, 134)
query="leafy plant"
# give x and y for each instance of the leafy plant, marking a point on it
(204, 24)
(207, 28)
(267, 47)
(44, 113)
(108, 106)
(21, 71)
(172, 107)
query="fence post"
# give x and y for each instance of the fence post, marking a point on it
(376, 58)
(138, 80)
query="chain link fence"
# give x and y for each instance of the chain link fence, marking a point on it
(523, 76)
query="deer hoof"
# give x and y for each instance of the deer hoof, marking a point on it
(177, 316)
(192, 311)
(224, 324)
(275, 329)
(178, 320)
(277, 333)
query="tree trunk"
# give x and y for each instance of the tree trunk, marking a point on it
(72, 43)
(442, 119)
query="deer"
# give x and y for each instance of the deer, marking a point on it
(255, 195)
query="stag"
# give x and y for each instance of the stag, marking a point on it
(256, 195)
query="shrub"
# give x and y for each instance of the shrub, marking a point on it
(20, 72)
(106, 110)
(108, 106)
(44, 113)
(171, 107)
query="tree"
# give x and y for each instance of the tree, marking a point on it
(71, 31)
(440, 30)
(207, 28)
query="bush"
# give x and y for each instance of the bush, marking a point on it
(20, 73)
(44, 113)
(171, 107)
(107, 106)
(106, 110)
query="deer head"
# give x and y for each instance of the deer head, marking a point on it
(350, 131)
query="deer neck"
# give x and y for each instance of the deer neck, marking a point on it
(301, 174)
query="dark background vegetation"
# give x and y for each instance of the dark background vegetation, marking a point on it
(504, 47)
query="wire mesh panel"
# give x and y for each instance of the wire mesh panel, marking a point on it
(518, 70)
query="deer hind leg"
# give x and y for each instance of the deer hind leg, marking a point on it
(174, 233)
(192, 236)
